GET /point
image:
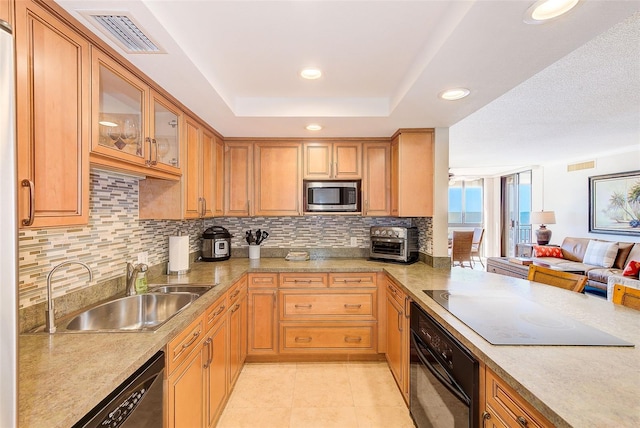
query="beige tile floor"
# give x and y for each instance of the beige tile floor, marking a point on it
(310, 395)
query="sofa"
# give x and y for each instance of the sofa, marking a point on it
(604, 264)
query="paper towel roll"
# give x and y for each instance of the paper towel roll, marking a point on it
(178, 254)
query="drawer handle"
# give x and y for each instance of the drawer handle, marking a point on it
(193, 339)
(522, 421)
(219, 311)
(235, 293)
(235, 308)
(352, 306)
(392, 289)
(303, 306)
(353, 339)
(305, 281)
(302, 339)
(352, 280)
(208, 344)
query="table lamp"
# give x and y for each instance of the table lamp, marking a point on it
(543, 235)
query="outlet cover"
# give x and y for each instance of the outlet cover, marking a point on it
(354, 241)
(143, 257)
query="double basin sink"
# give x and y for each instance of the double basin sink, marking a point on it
(140, 312)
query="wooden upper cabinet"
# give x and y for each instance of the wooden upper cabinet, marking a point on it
(219, 180)
(6, 11)
(376, 179)
(193, 205)
(208, 180)
(278, 178)
(412, 173)
(238, 178)
(332, 160)
(134, 129)
(53, 105)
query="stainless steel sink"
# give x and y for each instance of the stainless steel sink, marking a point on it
(132, 313)
(166, 289)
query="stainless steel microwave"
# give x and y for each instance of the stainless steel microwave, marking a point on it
(332, 196)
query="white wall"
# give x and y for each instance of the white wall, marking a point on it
(567, 193)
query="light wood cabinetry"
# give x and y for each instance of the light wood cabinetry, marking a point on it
(134, 129)
(53, 124)
(397, 336)
(263, 314)
(237, 329)
(195, 195)
(412, 173)
(333, 160)
(278, 179)
(216, 370)
(238, 178)
(185, 380)
(504, 407)
(6, 11)
(376, 179)
(328, 313)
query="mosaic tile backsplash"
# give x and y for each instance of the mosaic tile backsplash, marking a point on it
(115, 236)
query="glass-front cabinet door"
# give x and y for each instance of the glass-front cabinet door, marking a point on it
(131, 123)
(119, 101)
(166, 123)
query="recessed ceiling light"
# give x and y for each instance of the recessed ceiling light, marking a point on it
(545, 10)
(311, 73)
(454, 94)
(314, 127)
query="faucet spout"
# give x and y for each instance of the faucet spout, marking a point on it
(50, 326)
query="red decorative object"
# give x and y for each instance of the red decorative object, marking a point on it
(543, 251)
(632, 269)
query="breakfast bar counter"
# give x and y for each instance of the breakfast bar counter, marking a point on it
(64, 375)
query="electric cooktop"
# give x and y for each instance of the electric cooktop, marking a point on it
(516, 321)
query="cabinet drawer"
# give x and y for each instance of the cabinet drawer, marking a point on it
(215, 311)
(394, 291)
(508, 406)
(303, 280)
(301, 337)
(365, 279)
(237, 290)
(180, 347)
(313, 305)
(257, 280)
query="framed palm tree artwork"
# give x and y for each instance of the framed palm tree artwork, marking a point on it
(614, 203)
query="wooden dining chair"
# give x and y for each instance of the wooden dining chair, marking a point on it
(626, 296)
(566, 280)
(478, 234)
(461, 247)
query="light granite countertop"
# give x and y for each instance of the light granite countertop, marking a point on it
(64, 375)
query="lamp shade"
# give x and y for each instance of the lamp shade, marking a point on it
(543, 217)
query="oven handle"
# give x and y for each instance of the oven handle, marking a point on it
(450, 384)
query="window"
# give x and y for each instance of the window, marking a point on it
(465, 202)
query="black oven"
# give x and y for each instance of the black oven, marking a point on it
(444, 376)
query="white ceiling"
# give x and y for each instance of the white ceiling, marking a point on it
(571, 86)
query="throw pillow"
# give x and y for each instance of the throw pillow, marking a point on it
(600, 253)
(632, 269)
(544, 251)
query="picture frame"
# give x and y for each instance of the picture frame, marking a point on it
(614, 203)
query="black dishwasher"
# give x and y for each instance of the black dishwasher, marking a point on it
(444, 376)
(137, 402)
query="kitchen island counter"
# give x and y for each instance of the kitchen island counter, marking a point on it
(62, 376)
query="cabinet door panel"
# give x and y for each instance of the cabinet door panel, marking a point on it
(317, 160)
(216, 371)
(219, 178)
(238, 171)
(263, 322)
(278, 179)
(376, 183)
(53, 122)
(185, 393)
(192, 202)
(6, 11)
(208, 173)
(166, 124)
(347, 158)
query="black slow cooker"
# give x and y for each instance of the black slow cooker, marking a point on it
(216, 244)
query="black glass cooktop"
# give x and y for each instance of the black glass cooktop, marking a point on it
(512, 320)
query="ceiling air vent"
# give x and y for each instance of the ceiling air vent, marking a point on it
(581, 165)
(128, 34)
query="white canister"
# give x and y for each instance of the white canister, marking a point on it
(254, 251)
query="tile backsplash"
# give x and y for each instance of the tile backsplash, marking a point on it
(115, 236)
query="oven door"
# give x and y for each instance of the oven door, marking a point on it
(436, 399)
(388, 248)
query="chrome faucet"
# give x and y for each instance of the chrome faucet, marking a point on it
(50, 326)
(132, 274)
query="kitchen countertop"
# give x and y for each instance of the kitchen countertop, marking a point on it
(64, 375)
